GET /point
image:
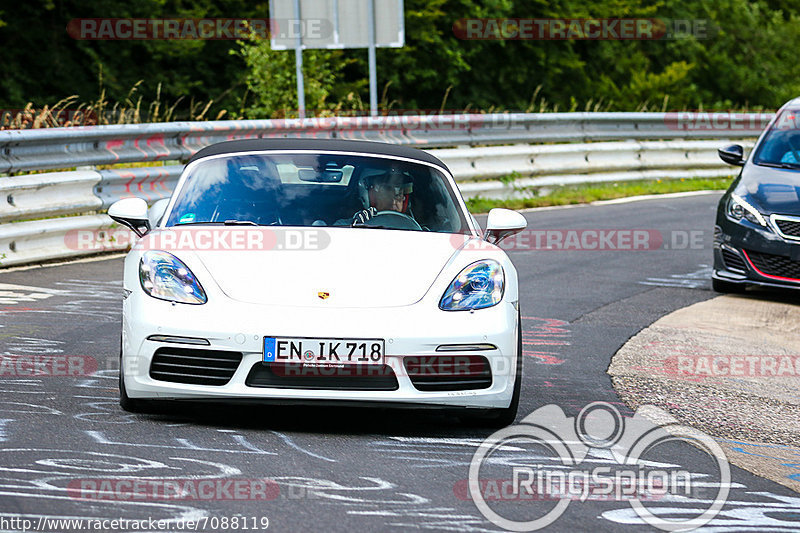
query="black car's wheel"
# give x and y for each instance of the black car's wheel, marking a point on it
(727, 287)
(502, 417)
(132, 405)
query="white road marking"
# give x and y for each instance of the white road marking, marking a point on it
(291, 443)
(13, 294)
(4, 428)
(693, 280)
(100, 438)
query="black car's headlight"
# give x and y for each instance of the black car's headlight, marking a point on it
(164, 276)
(478, 286)
(738, 209)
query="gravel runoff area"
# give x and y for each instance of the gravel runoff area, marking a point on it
(730, 367)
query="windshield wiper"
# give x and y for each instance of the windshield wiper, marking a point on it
(220, 223)
(792, 166)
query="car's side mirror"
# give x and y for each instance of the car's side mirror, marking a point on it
(131, 212)
(503, 223)
(156, 212)
(733, 154)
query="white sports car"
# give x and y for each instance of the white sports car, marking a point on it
(306, 270)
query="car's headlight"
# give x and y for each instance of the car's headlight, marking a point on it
(165, 277)
(738, 208)
(478, 286)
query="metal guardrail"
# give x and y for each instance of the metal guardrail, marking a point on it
(56, 148)
(539, 150)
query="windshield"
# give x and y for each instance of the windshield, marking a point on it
(781, 145)
(318, 190)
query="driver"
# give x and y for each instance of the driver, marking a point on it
(389, 191)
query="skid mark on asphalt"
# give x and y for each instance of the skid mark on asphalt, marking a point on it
(699, 279)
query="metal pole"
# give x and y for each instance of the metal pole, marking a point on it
(298, 62)
(373, 81)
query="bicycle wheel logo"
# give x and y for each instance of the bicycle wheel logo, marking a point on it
(629, 445)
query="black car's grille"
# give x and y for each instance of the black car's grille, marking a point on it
(732, 260)
(195, 367)
(448, 372)
(775, 265)
(789, 227)
(299, 376)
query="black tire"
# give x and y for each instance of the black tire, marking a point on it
(502, 417)
(726, 287)
(131, 405)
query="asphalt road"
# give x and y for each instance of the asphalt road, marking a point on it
(354, 469)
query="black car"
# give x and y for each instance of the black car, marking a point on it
(757, 233)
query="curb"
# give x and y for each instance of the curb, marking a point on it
(730, 367)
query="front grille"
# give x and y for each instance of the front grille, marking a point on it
(448, 372)
(195, 367)
(775, 265)
(299, 376)
(733, 261)
(789, 227)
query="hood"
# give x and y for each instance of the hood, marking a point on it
(771, 190)
(356, 267)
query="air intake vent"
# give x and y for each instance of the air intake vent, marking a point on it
(790, 228)
(733, 261)
(775, 265)
(195, 367)
(299, 376)
(448, 372)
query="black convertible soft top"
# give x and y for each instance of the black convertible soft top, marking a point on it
(339, 145)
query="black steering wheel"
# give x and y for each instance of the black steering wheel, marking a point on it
(394, 220)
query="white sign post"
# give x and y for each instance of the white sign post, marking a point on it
(334, 24)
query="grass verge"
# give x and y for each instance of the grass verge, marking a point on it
(582, 194)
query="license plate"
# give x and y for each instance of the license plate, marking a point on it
(323, 351)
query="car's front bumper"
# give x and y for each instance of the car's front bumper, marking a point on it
(745, 253)
(415, 330)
